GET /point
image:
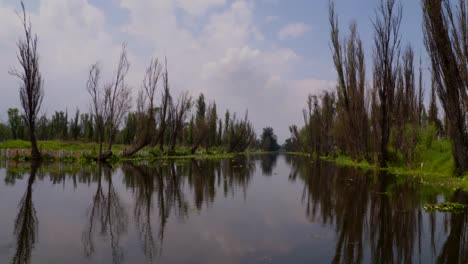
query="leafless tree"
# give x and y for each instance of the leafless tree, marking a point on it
(117, 97)
(348, 57)
(97, 105)
(166, 101)
(446, 40)
(178, 115)
(146, 109)
(31, 87)
(385, 71)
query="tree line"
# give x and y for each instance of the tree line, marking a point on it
(376, 120)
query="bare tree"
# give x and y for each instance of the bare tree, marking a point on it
(445, 35)
(97, 105)
(117, 97)
(385, 70)
(146, 109)
(166, 101)
(178, 115)
(31, 87)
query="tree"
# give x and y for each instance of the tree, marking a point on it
(75, 128)
(241, 134)
(385, 70)
(146, 110)
(86, 125)
(14, 121)
(200, 128)
(31, 87)
(117, 98)
(178, 115)
(445, 37)
(268, 140)
(433, 112)
(97, 106)
(348, 57)
(212, 119)
(165, 104)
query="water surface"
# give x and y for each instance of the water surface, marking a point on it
(250, 209)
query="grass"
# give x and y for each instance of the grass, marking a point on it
(91, 149)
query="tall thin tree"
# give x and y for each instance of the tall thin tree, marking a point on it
(446, 40)
(385, 71)
(31, 87)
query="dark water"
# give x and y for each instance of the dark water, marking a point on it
(265, 209)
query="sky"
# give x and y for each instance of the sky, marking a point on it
(260, 56)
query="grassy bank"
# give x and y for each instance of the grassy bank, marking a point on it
(76, 151)
(434, 163)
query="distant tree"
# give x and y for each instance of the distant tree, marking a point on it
(200, 126)
(433, 111)
(31, 87)
(43, 128)
(219, 136)
(130, 128)
(14, 121)
(59, 125)
(241, 134)
(227, 121)
(268, 140)
(87, 126)
(75, 128)
(212, 119)
(445, 36)
(4, 132)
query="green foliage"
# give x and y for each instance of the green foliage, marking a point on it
(445, 207)
(268, 140)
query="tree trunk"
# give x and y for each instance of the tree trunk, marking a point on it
(35, 154)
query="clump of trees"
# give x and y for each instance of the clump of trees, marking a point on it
(268, 140)
(380, 120)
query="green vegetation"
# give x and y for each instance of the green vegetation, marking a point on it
(450, 207)
(75, 151)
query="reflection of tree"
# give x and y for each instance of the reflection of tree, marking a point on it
(379, 210)
(455, 249)
(268, 163)
(26, 223)
(107, 212)
(204, 176)
(167, 184)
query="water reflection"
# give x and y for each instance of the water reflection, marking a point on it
(26, 223)
(374, 217)
(107, 214)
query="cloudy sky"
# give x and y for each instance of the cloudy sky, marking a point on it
(262, 55)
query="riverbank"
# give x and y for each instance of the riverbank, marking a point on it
(83, 152)
(434, 169)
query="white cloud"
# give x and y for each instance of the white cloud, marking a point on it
(227, 57)
(198, 7)
(293, 30)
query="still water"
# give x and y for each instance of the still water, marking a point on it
(250, 209)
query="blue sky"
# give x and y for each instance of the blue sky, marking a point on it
(260, 55)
